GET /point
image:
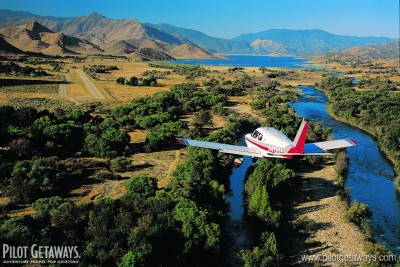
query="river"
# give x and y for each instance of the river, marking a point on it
(237, 223)
(370, 176)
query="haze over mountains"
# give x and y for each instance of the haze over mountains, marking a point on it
(95, 34)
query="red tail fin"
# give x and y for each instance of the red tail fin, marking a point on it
(300, 138)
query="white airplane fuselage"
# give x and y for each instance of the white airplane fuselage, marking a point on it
(269, 140)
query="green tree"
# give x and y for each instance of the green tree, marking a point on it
(141, 185)
(194, 226)
(31, 178)
(120, 80)
(264, 255)
(202, 118)
(121, 164)
(132, 259)
(134, 81)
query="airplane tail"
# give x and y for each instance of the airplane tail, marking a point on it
(300, 138)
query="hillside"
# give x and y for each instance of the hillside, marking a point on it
(367, 52)
(112, 36)
(211, 44)
(35, 37)
(307, 42)
(268, 47)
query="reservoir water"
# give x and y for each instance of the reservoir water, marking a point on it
(370, 176)
(250, 61)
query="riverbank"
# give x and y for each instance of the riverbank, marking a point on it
(388, 154)
(319, 203)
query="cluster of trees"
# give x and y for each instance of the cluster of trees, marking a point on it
(156, 73)
(14, 68)
(376, 110)
(33, 140)
(159, 112)
(236, 87)
(266, 186)
(377, 84)
(190, 72)
(134, 81)
(27, 132)
(99, 68)
(145, 227)
(275, 73)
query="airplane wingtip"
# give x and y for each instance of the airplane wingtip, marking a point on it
(180, 141)
(353, 141)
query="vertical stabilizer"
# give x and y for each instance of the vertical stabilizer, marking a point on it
(300, 138)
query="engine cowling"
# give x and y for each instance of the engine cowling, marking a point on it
(237, 162)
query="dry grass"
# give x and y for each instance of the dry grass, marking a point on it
(33, 88)
(137, 136)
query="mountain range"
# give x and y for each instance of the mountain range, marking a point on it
(100, 35)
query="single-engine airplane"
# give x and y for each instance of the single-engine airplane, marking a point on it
(266, 142)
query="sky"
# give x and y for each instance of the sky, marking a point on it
(230, 18)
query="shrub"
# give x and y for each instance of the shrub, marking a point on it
(397, 183)
(45, 205)
(360, 215)
(379, 249)
(357, 213)
(121, 164)
(305, 225)
(106, 175)
(310, 241)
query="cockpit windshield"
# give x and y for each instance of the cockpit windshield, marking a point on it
(256, 134)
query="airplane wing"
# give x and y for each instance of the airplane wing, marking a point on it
(223, 148)
(321, 147)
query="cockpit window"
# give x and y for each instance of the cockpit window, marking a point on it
(260, 136)
(255, 134)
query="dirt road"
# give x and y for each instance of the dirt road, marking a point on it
(62, 88)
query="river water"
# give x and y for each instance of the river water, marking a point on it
(237, 224)
(370, 176)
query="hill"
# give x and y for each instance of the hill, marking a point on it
(34, 37)
(268, 47)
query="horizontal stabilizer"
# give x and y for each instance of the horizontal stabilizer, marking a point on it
(223, 148)
(321, 147)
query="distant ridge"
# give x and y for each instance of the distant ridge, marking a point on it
(387, 50)
(211, 44)
(129, 36)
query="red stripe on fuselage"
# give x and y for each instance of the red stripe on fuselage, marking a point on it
(265, 148)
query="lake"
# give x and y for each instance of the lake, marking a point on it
(250, 61)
